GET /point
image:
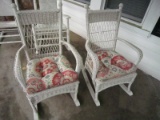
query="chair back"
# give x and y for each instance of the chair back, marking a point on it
(34, 26)
(102, 28)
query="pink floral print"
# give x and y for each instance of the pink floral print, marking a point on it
(52, 73)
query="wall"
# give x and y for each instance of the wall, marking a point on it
(141, 37)
(77, 12)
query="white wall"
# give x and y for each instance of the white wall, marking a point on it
(78, 17)
(141, 37)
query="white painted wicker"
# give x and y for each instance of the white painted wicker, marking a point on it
(53, 5)
(50, 44)
(102, 30)
(9, 27)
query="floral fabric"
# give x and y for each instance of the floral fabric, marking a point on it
(112, 65)
(65, 68)
(49, 72)
(35, 84)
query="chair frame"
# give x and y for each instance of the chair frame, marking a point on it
(99, 86)
(36, 98)
(8, 27)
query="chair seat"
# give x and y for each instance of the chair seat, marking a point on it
(49, 72)
(112, 65)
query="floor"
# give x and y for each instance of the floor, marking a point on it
(115, 103)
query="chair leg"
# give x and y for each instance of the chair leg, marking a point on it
(35, 113)
(128, 89)
(93, 94)
(35, 110)
(74, 96)
(1, 36)
(96, 100)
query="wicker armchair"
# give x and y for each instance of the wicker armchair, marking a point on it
(105, 64)
(9, 27)
(48, 72)
(53, 5)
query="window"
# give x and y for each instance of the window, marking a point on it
(133, 9)
(156, 30)
(84, 1)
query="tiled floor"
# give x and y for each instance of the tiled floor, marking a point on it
(116, 104)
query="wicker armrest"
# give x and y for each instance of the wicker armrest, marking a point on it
(136, 49)
(18, 68)
(79, 63)
(94, 58)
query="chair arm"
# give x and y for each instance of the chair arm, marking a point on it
(94, 58)
(136, 49)
(79, 63)
(18, 69)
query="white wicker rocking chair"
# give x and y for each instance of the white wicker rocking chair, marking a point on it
(8, 27)
(104, 65)
(53, 5)
(48, 72)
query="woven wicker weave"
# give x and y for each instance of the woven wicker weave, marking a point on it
(47, 44)
(102, 30)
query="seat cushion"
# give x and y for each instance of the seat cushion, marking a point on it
(112, 65)
(49, 72)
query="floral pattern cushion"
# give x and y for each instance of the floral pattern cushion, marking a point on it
(49, 72)
(112, 65)
(35, 84)
(69, 76)
(63, 64)
(65, 68)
